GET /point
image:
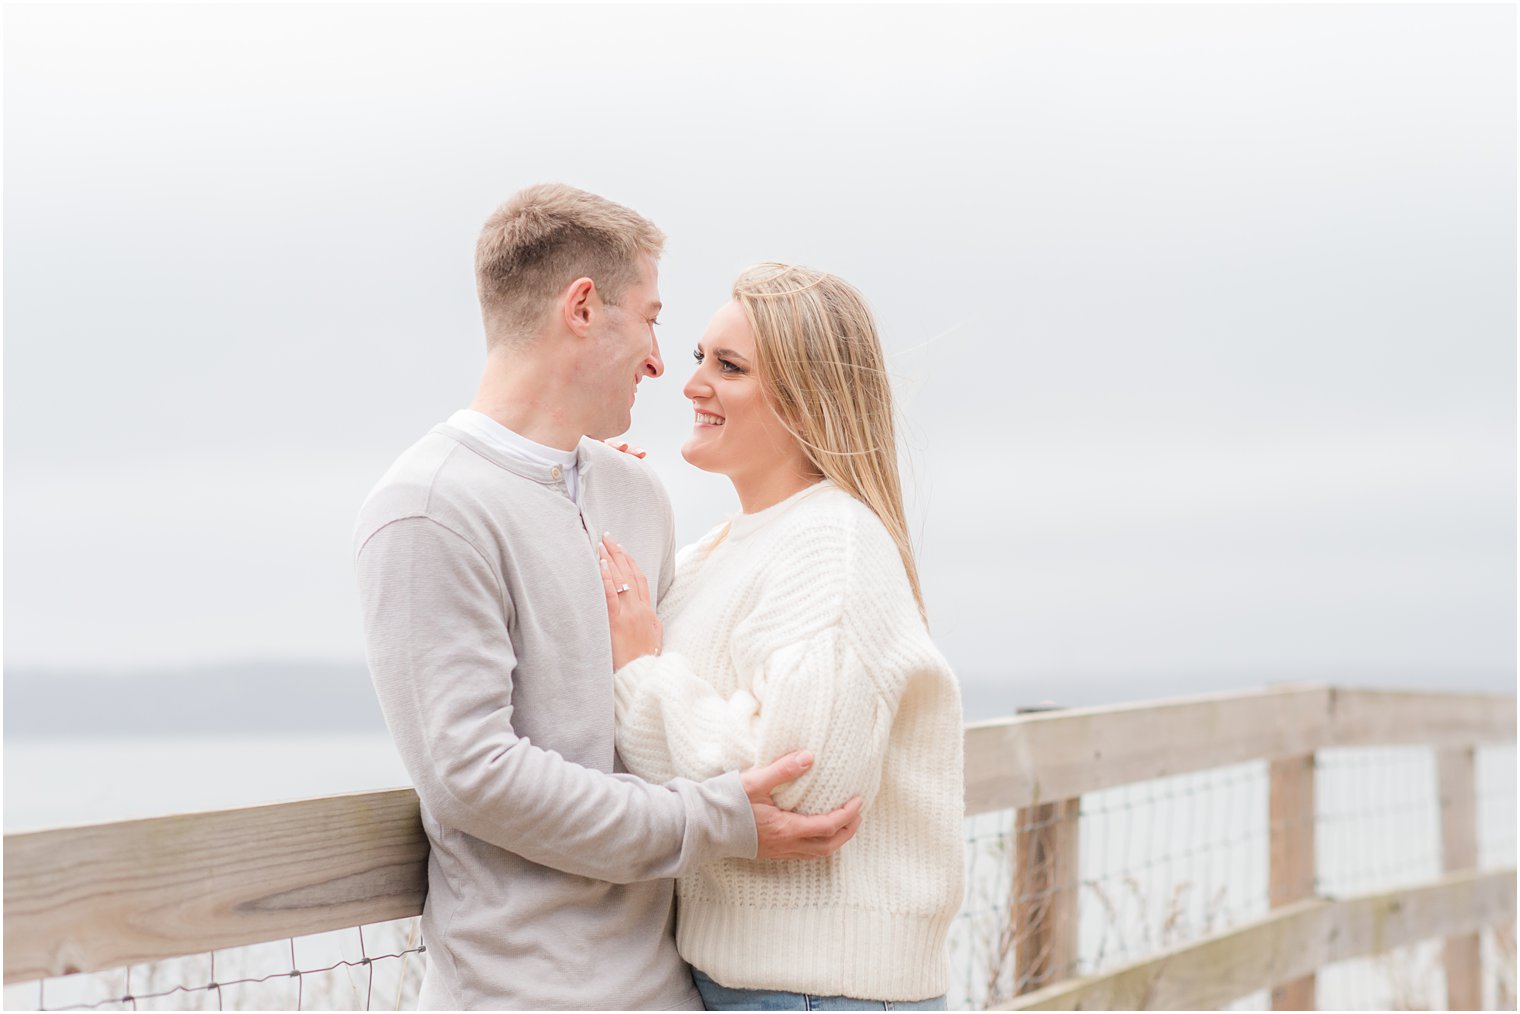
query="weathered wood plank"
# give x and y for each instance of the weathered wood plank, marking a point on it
(1046, 881)
(1290, 875)
(1418, 718)
(1045, 757)
(86, 898)
(1457, 788)
(1041, 758)
(1205, 975)
(1287, 944)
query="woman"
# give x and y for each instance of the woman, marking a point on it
(799, 624)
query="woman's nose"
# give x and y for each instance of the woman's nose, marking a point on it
(696, 387)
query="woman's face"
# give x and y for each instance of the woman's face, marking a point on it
(736, 433)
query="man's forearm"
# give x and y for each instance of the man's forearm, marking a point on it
(617, 828)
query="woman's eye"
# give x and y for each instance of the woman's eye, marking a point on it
(724, 366)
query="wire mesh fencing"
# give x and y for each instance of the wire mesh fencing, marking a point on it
(1379, 828)
(1053, 891)
(1157, 864)
(375, 967)
(1170, 861)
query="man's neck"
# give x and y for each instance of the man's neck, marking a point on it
(529, 401)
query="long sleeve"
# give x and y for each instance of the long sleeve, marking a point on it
(797, 627)
(802, 683)
(672, 724)
(437, 625)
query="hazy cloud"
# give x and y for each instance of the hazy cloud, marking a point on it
(1204, 316)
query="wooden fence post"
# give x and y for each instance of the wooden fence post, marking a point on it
(1045, 886)
(1291, 844)
(1457, 784)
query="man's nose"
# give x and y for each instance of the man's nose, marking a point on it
(653, 364)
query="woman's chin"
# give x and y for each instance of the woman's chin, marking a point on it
(696, 455)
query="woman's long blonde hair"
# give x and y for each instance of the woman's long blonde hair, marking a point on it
(821, 362)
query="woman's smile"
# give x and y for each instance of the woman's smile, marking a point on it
(755, 449)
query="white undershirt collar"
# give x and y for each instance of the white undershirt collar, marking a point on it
(515, 445)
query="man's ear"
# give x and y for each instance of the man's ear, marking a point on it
(578, 304)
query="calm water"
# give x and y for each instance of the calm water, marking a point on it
(57, 782)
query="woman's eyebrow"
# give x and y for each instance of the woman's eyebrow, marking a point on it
(729, 354)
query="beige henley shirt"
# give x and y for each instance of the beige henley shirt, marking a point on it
(549, 880)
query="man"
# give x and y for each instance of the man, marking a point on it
(549, 878)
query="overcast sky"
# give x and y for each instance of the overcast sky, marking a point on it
(1203, 318)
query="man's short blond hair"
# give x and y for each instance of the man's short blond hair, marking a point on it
(544, 238)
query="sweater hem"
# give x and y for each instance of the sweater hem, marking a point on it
(826, 951)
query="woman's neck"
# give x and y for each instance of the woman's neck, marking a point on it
(757, 492)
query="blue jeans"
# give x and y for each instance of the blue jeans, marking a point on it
(716, 997)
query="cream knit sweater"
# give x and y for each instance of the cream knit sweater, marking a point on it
(795, 628)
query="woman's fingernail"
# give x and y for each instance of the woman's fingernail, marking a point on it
(604, 563)
(804, 758)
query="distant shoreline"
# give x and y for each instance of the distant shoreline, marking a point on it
(303, 697)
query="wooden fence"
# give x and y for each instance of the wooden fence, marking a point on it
(89, 898)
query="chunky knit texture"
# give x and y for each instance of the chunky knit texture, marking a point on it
(795, 628)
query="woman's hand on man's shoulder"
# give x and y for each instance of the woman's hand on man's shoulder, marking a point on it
(626, 448)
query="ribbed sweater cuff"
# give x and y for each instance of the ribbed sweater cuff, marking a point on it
(823, 951)
(625, 681)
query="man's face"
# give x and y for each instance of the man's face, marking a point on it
(627, 351)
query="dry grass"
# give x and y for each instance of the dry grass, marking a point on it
(1503, 967)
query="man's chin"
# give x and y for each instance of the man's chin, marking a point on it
(611, 429)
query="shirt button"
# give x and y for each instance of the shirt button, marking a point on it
(555, 473)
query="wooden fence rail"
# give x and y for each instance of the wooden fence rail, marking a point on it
(89, 898)
(1287, 946)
